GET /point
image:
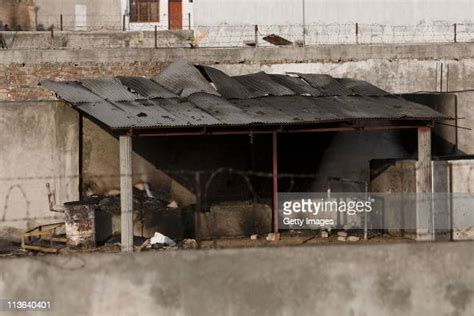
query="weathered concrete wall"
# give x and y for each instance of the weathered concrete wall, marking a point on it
(86, 15)
(397, 68)
(88, 40)
(267, 12)
(333, 21)
(14, 13)
(38, 145)
(460, 172)
(101, 167)
(396, 279)
(452, 196)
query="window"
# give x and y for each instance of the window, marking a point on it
(144, 10)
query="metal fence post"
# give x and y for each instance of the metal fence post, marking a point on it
(156, 36)
(357, 33)
(455, 32)
(61, 22)
(189, 21)
(256, 35)
(123, 23)
(52, 31)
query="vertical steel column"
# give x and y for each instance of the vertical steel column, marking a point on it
(126, 193)
(275, 185)
(424, 227)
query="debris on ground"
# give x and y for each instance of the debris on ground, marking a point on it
(272, 237)
(162, 239)
(189, 244)
(172, 205)
(341, 238)
(353, 238)
(324, 234)
(254, 237)
(342, 234)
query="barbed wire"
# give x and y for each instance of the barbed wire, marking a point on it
(71, 31)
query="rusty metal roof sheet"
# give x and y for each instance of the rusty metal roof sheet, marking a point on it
(296, 84)
(277, 40)
(228, 87)
(148, 109)
(71, 91)
(327, 85)
(146, 87)
(221, 109)
(362, 88)
(110, 89)
(262, 84)
(184, 79)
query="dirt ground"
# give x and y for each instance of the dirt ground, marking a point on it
(287, 239)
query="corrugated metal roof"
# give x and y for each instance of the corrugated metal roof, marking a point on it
(221, 109)
(227, 86)
(110, 89)
(184, 79)
(327, 85)
(146, 87)
(262, 84)
(296, 84)
(362, 88)
(201, 109)
(71, 91)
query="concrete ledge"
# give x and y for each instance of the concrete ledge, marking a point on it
(395, 279)
(323, 53)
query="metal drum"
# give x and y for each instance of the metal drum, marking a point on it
(80, 225)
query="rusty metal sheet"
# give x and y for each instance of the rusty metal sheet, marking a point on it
(107, 113)
(184, 79)
(221, 109)
(110, 89)
(260, 112)
(258, 99)
(189, 112)
(146, 87)
(277, 40)
(408, 109)
(327, 85)
(262, 84)
(296, 84)
(362, 88)
(71, 91)
(227, 86)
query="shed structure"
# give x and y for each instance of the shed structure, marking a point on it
(187, 99)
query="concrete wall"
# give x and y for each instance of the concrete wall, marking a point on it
(333, 21)
(101, 167)
(408, 12)
(14, 12)
(393, 279)
(396, 68)
(452, 197)
(38, 145)
(98, 15)
(95, 39)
